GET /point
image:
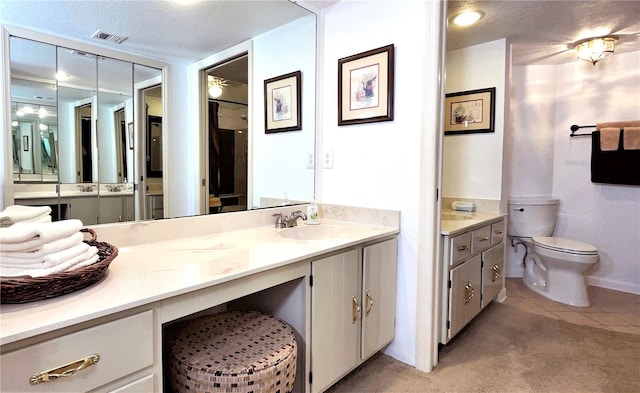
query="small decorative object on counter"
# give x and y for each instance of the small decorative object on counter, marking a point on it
(312, 214)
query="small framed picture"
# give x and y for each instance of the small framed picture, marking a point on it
(25, 142)
(130, 132)
(283, 103)
(469, 112)
(365, 87)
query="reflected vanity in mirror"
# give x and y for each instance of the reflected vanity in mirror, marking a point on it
(77, 152)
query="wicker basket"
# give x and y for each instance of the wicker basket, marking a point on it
(234, 352)
(27, 289)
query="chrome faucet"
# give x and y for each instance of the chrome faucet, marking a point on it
(292, 220)
(289, 221)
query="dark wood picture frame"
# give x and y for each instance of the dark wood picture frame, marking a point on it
(470, 112)
(366, 86)
(283, 103)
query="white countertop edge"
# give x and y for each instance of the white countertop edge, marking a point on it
(455, 227)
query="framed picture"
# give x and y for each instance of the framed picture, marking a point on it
(25, 142)
(365, 87)
(470, 111)
(283, 103)
(130, 132)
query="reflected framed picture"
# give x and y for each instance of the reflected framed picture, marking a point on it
(365, 87)
(283, 103)
(469, 112)
(130, 133)
(25, 142)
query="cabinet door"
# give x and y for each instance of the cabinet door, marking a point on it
(378, 296)
(84, 209)
(111, 209)
(464, 294)
(492, 271)
(335, 319)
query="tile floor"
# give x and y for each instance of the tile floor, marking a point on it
(613, 310)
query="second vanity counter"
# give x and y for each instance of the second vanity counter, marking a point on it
(165, 259)
(455, 222)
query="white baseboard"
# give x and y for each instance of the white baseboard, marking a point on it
(613, 284)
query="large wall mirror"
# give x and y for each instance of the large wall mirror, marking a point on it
(89, 132)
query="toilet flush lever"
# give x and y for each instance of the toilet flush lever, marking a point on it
(519, 209)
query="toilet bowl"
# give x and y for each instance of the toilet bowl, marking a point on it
(554, 267)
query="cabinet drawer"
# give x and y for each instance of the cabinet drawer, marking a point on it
(460, 248)
(124, 346)
(497, 232)
(480, 239)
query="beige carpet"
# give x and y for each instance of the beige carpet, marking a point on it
(508, 350)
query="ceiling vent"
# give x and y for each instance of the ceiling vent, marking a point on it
(109, 37)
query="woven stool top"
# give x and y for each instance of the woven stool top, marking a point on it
(236, 342)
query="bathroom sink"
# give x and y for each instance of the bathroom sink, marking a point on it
(455, 217)
(312, 232)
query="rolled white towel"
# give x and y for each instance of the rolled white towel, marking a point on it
(17, 213)
(26, 235)
(88, 257)
(42, 218)
(43, 250)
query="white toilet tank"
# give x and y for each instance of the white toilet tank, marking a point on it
(529, 217)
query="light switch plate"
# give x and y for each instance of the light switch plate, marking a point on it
(327, 159)
(310, 163)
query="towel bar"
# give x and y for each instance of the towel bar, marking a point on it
(576, 127)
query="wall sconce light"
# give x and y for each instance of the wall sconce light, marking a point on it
(595, 49)
(215, 86)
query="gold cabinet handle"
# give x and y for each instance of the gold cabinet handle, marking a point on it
(498, 232)
(355, 310)
(64, 371)
(496, 272)
(483, 239)
(369, 303)
(468, 292)
(463, 248)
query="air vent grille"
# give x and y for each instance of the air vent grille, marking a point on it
(100, 35)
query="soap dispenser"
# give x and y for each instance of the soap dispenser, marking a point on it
(312, 214)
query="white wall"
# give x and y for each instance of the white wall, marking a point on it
(273, 54)
(551, 99)
(378, 165)
(472, 163)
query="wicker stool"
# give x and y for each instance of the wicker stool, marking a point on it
(234, 352)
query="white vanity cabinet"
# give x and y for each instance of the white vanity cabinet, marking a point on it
(116, 355)
(84, 209)
(472, 274)
(353, 299)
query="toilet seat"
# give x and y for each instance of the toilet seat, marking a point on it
(568, 246)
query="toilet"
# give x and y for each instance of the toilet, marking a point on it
(554, 267)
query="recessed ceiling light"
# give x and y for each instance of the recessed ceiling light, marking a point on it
(467, 18)
(61, 76)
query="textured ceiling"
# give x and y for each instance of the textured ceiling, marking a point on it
(542, 32)
(158, 29)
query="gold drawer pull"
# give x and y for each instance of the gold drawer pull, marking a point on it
(463, 248)
(369, 305)
(355, 310)
(496, 272)
(64, 371)
(468, 292)
(498, 232)
(483, 239)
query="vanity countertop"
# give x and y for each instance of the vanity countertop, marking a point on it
(151, 271)
(473, 220)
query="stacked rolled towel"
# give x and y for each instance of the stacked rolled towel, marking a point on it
(18, 213)
(39, 249)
